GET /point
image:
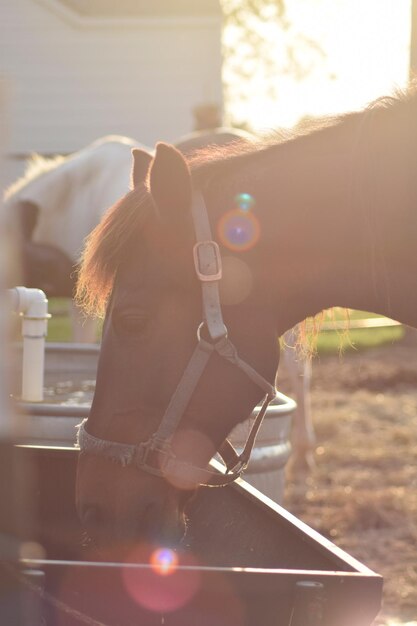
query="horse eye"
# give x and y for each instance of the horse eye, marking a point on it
(133, 323)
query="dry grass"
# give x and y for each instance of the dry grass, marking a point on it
(362, 493)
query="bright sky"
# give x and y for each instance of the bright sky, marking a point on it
(366, 45)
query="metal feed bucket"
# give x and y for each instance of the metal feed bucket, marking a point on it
(266, 469)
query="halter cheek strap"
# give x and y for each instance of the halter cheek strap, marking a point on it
(156, 455)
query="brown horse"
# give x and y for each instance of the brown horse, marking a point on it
(325, 218)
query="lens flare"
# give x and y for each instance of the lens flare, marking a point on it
(166, 584)
(244, 201)
(164, 561)
(237, 282)
(238, 230)
(192, 446)
(31, 550)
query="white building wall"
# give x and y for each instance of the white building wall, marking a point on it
(75, 80)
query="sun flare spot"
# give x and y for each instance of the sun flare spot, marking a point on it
(239, 230)
(244, 201)
(237, 282)
(164, 561)
(160, 581)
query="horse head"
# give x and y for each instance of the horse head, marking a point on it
(176, 372)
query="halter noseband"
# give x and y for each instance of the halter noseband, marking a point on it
(156, 455)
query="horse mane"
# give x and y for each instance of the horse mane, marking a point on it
(36, 166)
(107, 245)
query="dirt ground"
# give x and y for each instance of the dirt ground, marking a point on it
(362, 492)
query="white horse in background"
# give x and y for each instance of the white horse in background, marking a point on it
(60, 200)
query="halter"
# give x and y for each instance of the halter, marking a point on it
(156, 455)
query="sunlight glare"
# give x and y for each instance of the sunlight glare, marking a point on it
(238, 229)
(237, 281)
(162, 586)
(164, 561)
(195, 448)
(244, 201)
(364, 54)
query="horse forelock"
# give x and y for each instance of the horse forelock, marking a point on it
(108, 245)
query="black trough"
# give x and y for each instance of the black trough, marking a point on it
(252, 563)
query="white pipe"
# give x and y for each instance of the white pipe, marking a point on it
(32, 306)
(8, 245)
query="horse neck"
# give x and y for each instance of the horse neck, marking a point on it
(329, 222)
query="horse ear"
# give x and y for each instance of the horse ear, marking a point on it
(170, 183)
(140, 167)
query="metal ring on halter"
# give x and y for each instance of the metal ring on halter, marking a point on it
(200, 339)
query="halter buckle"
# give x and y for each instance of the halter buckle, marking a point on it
(151, 457)
(207, 261)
